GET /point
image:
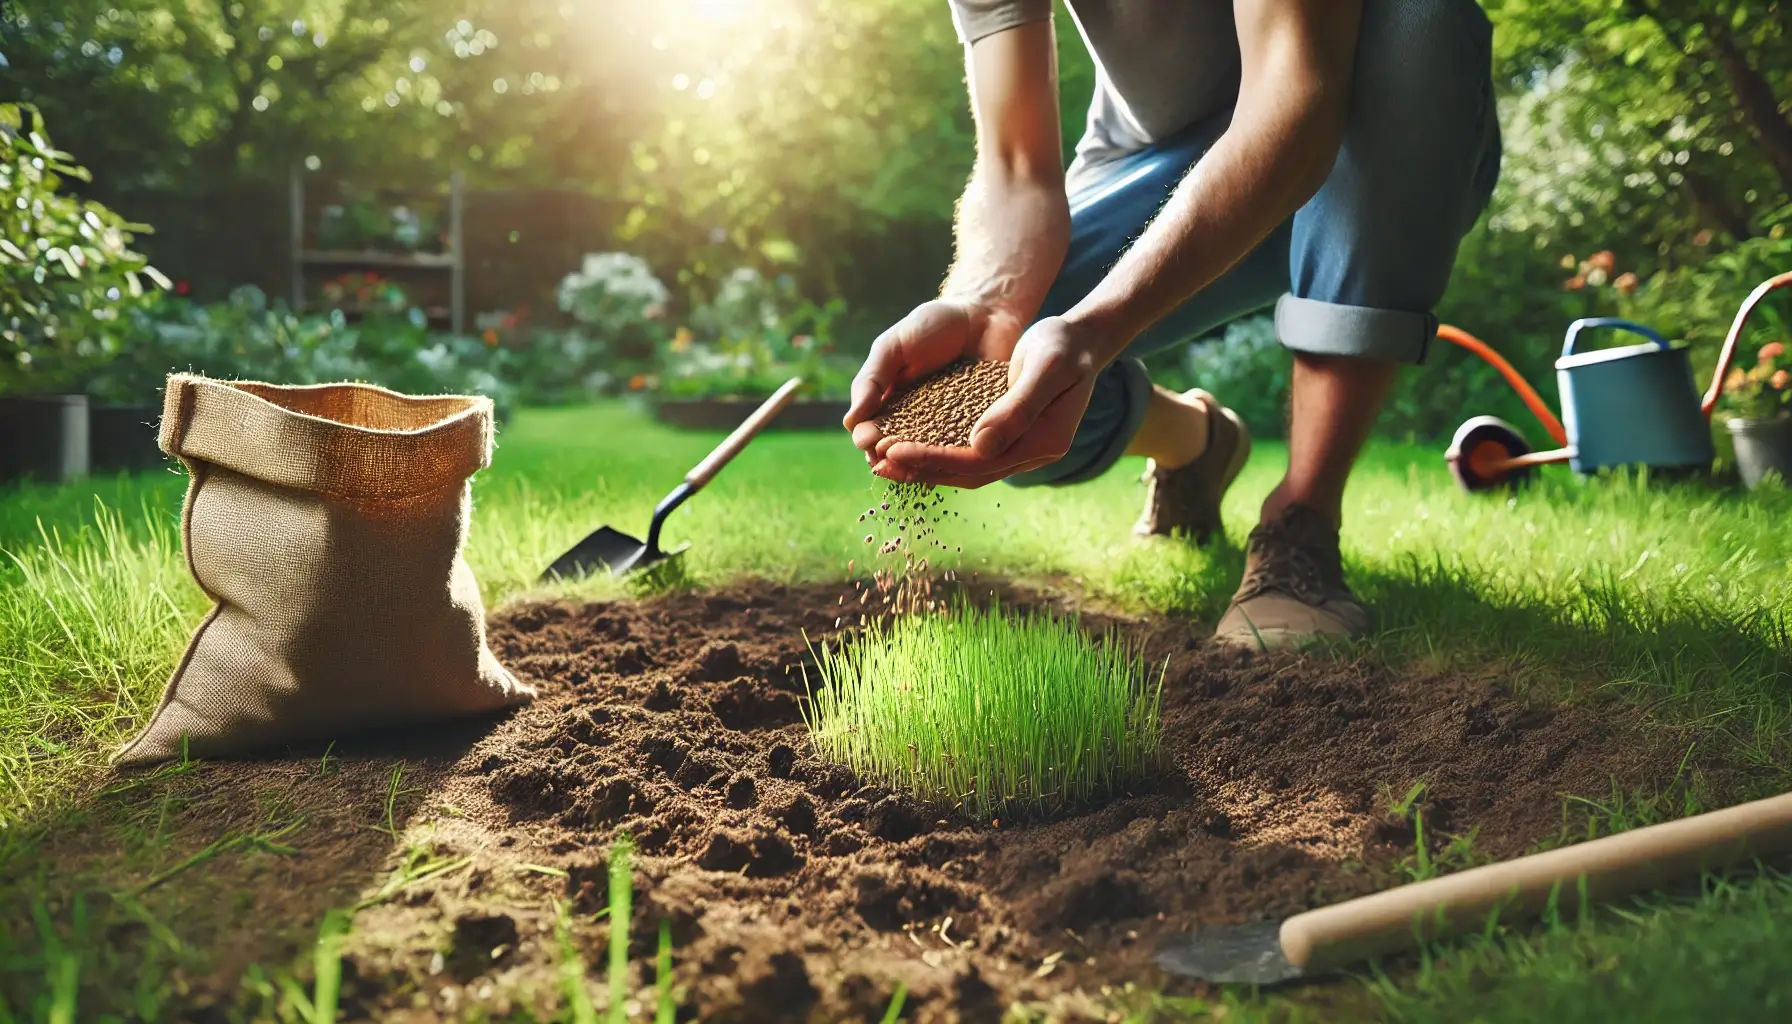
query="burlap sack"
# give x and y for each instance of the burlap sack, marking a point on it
(327, 524)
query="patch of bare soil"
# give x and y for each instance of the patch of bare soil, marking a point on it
(797, 893)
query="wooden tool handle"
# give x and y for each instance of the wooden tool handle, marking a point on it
(1600, 870)
(725, 452)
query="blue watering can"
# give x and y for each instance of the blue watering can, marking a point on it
(1635, 405)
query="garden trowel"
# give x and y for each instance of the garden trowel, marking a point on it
(1571, 879)
(610, 548)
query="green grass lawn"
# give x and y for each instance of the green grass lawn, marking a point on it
(1675, 598)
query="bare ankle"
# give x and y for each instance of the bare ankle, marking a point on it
(1286, 496)
(1175, 431)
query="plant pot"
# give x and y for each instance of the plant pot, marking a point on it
(44, 437)
(1762, 447)
(728, 413)
(122, 438)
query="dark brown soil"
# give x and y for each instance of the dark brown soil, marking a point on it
(796, 893)
(943, 408)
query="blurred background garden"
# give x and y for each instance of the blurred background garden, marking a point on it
(549, 201)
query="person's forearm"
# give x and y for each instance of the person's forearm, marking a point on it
(1013, 223)
(1257, 175)
(1013, 229)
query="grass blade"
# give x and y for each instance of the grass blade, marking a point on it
(328, 966)
(894, 1013)
(572, 969)
(621, 911)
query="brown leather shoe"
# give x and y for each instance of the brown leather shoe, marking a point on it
(1293, 590)
(1187, 499)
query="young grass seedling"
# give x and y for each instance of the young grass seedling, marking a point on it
(894, 1012)
(622, 896)
(392, 795)
(420, 862)
(1003, 713)
(326, 959)
(572, 969)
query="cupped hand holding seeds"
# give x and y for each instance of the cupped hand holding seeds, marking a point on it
(1050, 377)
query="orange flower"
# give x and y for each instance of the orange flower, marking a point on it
(490, 336)
(1703, 237)
(1603, 260)
(1626, 283)
(1780, 379)
(1575, 283)
(1771, 351)
(637, 382)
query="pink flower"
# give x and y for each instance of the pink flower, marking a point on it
(1626, 283)
(1780, 379)
(1603, 260)
(1575, 283)
(1771, 351)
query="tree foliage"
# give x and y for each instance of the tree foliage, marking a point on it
(67, 269)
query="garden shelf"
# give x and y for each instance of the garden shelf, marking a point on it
(453, 261)
(376, 258)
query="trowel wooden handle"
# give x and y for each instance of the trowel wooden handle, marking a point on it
(725, 452)
(1600, 870)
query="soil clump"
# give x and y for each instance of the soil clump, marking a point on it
(942, 409)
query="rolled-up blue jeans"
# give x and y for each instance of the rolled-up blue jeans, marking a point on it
(1358, 269)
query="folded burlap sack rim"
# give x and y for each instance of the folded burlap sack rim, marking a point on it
(286, 435)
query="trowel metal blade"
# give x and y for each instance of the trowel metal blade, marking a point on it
(604, 548)
(1245, 954)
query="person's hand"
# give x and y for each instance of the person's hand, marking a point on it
(935, 335)
(1051, 374)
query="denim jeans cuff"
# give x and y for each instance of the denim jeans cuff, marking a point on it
(1088, 458)
(1365, 332)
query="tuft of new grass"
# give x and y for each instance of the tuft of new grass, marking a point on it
(1001, 712)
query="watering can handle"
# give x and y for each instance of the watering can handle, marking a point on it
(1616, 323)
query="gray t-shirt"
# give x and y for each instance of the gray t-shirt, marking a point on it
(1160, 65)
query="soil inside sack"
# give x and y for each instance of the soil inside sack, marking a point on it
(942, 409)
(797, 893)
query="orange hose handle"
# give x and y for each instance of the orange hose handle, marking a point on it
(1458, 336)
(1728, 354)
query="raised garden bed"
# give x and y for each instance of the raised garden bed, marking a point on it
(123, 437)
(44, 437)
(794, 890)
(727, 413)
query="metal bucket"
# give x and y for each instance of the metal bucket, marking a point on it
(1632, 405)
